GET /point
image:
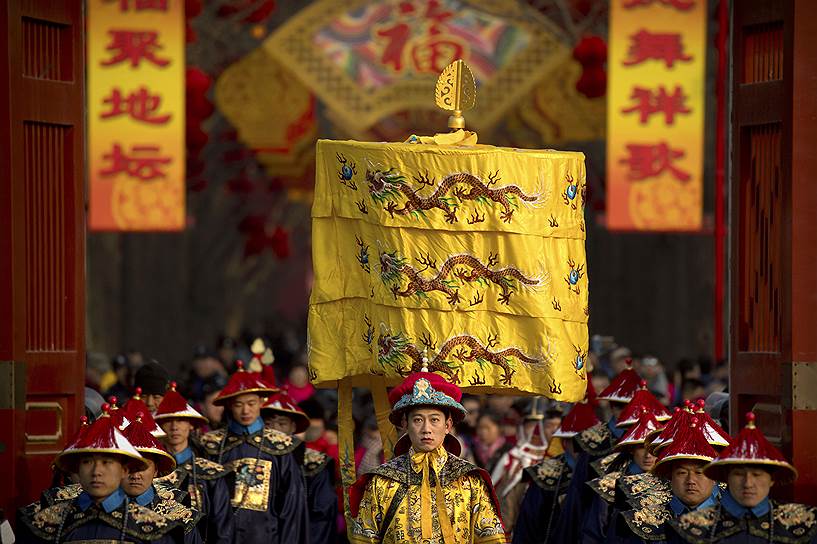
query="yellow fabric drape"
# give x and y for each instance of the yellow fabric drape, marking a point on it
(382, 410)
(346, 441)
(472, 254)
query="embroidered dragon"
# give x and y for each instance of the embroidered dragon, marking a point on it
(387, 186)
(398, 352)
(456, 268)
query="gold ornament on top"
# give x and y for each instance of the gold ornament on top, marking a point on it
(456, 91)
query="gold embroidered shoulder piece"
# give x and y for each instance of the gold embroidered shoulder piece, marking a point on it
(597, 440)
(211, 442)
(209, 470)
(606, 485)
(696, 527)
(45, 522)
(550, 473)
(278, 443)
(648, 523)
(314, 462)
(653, 489)
(794, 522)
(605, 464)
(59, 494)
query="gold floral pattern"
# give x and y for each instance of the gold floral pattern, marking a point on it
(597, 440)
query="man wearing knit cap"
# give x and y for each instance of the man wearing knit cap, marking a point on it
(152, 378)
(203, 480)
(267, 489)
(426, 493)
(549, 480)
(750, 466)
(164, 501)
(681, 463)
(282, 414)
(102, 457)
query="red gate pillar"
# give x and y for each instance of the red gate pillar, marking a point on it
(42, 239)
(773, 203)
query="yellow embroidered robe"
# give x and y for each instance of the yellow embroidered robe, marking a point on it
(396, 486)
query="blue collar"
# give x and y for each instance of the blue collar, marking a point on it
(633, 468)
(111, 502)
(237, 428)
(570, 460)
(679, 507)
(618, 432)
(740, 512)
(146, 498)
(183, 456)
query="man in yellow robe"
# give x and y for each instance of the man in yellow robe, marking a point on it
(401, 500)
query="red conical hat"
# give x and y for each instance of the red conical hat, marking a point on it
(136, 406)
(138, 434)
(663, 437)
(689, 443)
(282, 403)
(642, 400)
(241, 383)
(101, 437)
(425, 389)
(638, 433)
(174, 406)
(623, 386)
(581, 417)
(116, 413)
(714, 433)
(750, 447)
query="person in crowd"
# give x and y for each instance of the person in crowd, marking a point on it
(426, 493)
(214, 413)
(750, 466)
(205, 481)
(490, 444)
(298, 383)
(369, 450)
(634, 458)
(139, 486)
(282, 414)
(681, 463)
(549, 480)
(268, 491)
(152, 378)
(530, 449)
(102, 458)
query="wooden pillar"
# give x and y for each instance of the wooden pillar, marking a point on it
(773, 203)
(42, 239)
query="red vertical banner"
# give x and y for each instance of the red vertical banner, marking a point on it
(655, 114)
(136, 149)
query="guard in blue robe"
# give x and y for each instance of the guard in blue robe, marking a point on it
(541, 506)
(206, 486)
(267, 489)
(319, 472)
(115, 519)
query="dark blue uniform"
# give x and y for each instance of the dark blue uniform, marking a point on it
(540, 508)
(267, 489)
(206, 487)
(115, 519)
(319, 472)
(731, 523)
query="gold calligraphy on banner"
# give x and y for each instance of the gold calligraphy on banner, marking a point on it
(136, 149)
(655, 115)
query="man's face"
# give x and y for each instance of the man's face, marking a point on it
(689, 483)
(100, 475)
(152, 402)
(551, 424)
(749, 485)
(280, 422)
(212, 412)
(246, 408)
(427, 428)
(643, 458)
(137, 483)
(178, 433)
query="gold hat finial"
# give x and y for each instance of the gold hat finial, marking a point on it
(456, 91)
